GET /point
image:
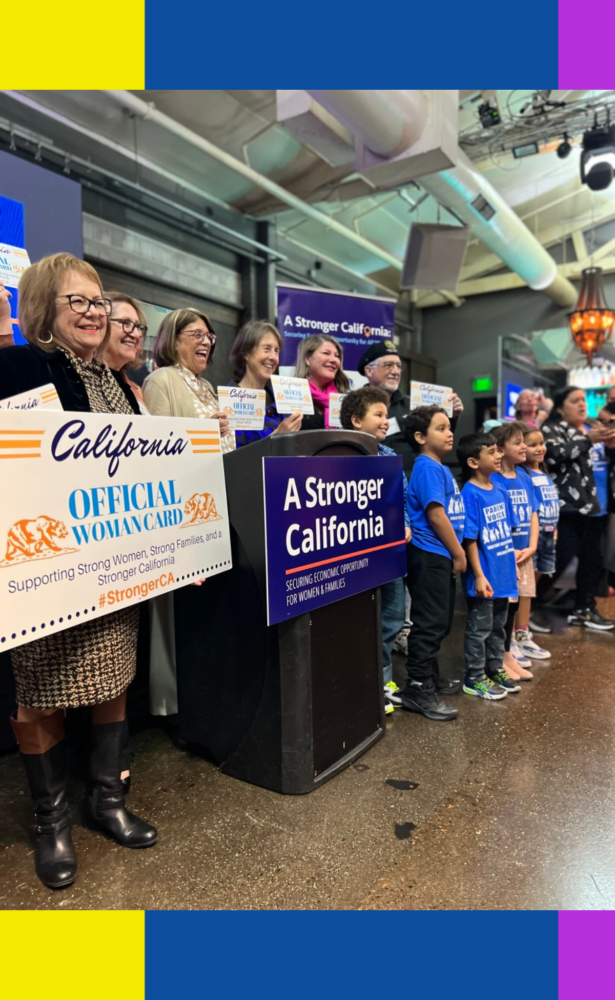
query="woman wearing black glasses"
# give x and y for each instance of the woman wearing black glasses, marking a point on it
(124, 344)
(183, 348)
(64, 317)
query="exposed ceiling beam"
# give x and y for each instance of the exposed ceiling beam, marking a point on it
(505, 282)
(578, 242)
(488, 262)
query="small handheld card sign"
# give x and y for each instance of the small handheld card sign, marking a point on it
(292, 395)
(43, 398)
(245, 407)
(425, 394)
(335, 407)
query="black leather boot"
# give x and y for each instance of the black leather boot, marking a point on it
(104, 803)
(54, 855)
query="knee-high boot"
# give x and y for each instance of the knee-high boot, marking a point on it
(104, 803)
(54, 857)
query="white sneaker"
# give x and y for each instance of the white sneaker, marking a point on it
(388, 707)
(519, 655)
(523, 637)
(392, 693)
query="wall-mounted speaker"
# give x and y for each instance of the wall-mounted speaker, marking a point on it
(434, 256)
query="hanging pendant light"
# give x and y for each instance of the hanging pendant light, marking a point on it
(592, 321)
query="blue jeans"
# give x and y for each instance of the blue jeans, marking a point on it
(393, 605)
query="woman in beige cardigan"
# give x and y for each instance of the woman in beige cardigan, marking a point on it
(183, 348)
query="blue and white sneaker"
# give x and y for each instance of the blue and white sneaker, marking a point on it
(503, 678)
(519, 655)
(484, 687)
(523, 638)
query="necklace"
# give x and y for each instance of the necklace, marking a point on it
(203, 408)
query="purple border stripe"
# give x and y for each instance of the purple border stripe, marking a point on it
(585, 947)
(583, 44)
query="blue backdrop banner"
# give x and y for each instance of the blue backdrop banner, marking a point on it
(335, 527)
(355, 320)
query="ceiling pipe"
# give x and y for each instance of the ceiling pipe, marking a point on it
(387, 121)
(145, 111)
(504, 233)
(376, 121)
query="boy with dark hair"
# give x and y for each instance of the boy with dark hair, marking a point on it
(366, 410)
(516, 481)
(435, 554)
(491, 576)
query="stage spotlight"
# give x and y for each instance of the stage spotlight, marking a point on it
(564, 148)
(598, 157)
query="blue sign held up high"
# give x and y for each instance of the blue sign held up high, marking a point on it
(12, 232)
(335, 527)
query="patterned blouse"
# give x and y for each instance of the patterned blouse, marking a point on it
(103, 392)
(569, 465)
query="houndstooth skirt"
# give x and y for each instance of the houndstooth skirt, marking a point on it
(85, 665)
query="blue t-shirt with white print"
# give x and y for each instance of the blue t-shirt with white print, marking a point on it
(488, 523)
(523, 502)
(385, 452)
(546, 495)
(432, 482)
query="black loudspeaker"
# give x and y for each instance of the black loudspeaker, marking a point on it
(434, 256)
(283, 706)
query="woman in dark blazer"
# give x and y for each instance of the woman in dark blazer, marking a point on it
(63, 315)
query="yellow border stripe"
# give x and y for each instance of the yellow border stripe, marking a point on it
(40, 51)
(74, 954)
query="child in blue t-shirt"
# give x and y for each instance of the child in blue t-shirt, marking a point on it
(547, 499)
(366, 410)
(490, 579)
(516, 481)
(435, 554)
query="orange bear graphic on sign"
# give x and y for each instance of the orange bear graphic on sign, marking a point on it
(35, 538)
(199, 508)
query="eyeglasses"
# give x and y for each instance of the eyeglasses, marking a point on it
(200, 337)
(80, 304)
(389, 366)
(606, 423)
(128, 326)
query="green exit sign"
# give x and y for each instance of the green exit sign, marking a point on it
(482, 384)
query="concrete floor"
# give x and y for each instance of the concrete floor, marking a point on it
(510, 806)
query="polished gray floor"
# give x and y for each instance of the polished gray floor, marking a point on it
(510, 806)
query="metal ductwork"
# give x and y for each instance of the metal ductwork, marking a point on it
(148, 112)
(387, 121)
(375, 118)
(470, 196)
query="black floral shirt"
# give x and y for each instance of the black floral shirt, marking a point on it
(568, 463)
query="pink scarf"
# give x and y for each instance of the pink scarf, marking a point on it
(321, 398)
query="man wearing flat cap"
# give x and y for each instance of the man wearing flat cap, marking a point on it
(381, 366)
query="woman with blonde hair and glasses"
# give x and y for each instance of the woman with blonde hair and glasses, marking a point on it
(124, 345)
(184, 346)
(64, 317)
(320, 359)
